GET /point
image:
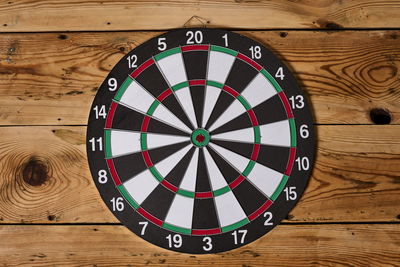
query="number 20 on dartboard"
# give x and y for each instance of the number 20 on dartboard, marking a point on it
(200, 140)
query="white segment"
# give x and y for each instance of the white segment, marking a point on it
(185, 98)
(216, 178)
(124, 142)
(167, 164)
(235, 109)
(158, 140)
(167, 116)
(265, 179)
(135, 96)
(181, 212)
(236, 160)
(276, 133)
(212, 94)
(228, 209)
(173, 69)
(141, 185)
(219, 66)
(189, 179)
(258, 90)
(242, 135)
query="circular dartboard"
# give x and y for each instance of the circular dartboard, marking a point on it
(200, 140)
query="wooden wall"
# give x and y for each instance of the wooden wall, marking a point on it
(54, 55)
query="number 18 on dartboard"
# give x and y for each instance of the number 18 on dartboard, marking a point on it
(200, 140)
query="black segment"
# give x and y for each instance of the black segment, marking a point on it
(230, 174)
(196, 64)
(240, 76)
(269, 111)
(152, 80)
(219, 108)
(173, 105)
(204, 214)
(249, 197)
(161, 153)
(274, 157)
(129, 166)
(156, 126)
(175, 176)
(202, 179)
(158, 202)
(198, 95)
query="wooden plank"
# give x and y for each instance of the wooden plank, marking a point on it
(75, 15)
(287, 245)
(45, 77)
(44, 177)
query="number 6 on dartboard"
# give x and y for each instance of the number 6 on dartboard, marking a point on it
(200, 140)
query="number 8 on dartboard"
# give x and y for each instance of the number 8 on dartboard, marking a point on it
(200, 140)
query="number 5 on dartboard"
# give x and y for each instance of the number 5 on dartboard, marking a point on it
(200, 140)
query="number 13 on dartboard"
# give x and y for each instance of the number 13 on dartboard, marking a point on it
(200, 140)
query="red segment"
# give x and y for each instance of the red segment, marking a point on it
(114, 173)
(142, 67)
(291, 161)
(110, 114)
(286, 104)
(164, 94)
(145, 124)
(147, 158)
(194, 47)
(236, 182)
(253, 117)
(256, 150)
(203, 194)
(230, 91)
(170, 186)
(197, 82)
(249, 61)
(206, 231)
(150, 217)
(260, 210)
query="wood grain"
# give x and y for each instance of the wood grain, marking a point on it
(44, 177)
(300, 245)
(51, 78)
(76, 15)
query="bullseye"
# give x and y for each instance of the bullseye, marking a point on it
(200, 137)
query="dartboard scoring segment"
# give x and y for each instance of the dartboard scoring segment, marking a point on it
(200, 140)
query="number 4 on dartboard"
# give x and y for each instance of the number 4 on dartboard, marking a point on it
(200, 140)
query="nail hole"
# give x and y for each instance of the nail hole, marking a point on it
(62, 37)
(380, 116)
(283, 34)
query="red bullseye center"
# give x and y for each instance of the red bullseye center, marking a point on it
(200, 138)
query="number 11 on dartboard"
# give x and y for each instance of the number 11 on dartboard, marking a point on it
(200, 140)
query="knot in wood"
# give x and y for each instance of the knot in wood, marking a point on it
(35, 172)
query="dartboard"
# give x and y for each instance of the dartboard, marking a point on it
(200, 140)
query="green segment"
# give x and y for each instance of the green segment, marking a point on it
(200, 137)
(167, 53)
(153, 107)
(122, 89)
(178, 86)
(185, 193)
(244, 102)
(280, 188)
(215, 84)
(176, 228)
(249, 167)
(271, 80)
(235, 225)
(107, 139)
(143, 141)
(257, 134)
(127, 196)
(293, 137)
(224, 50)
(156, 174)
(221, 191)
